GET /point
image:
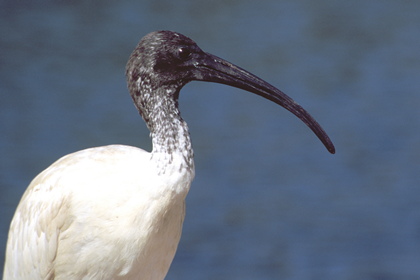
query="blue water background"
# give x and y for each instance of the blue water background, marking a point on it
(268, 201)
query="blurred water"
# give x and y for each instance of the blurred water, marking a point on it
(268, 201)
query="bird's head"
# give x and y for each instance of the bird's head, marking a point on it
(164, 61)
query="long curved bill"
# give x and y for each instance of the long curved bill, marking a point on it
(214, 69)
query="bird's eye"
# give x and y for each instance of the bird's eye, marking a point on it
(184, 53)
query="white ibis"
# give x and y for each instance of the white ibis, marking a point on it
(116, 212)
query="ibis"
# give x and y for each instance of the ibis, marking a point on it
(116, 212)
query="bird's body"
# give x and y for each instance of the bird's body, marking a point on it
(116, 212)
(76, 225)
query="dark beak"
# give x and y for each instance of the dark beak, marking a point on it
(214, 69)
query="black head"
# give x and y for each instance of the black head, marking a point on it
(164, 61)
(165, 57)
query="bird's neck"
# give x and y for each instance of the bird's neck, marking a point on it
(172, 149)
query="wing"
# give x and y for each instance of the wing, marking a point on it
(52, 220)
(35, 228)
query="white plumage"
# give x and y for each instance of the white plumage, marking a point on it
(93, 204)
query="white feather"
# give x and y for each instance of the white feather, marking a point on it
(96, 203)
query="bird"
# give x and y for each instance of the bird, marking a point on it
(116, 212)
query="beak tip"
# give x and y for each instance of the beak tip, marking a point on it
(331, 148)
